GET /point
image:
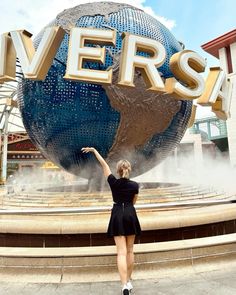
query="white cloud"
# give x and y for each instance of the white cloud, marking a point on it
(169, 23)
(34, 15)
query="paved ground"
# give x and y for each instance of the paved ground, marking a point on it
(213, 282)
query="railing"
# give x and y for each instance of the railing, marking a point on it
(210, 121)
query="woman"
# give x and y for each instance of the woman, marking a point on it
(124, 224)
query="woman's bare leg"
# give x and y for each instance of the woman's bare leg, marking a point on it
(130, 255)
(121, 257)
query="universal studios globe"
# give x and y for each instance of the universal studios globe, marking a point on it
(63, 116)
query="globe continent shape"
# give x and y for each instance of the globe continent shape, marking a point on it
(62, 116)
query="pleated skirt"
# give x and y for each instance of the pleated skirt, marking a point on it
(123, 221)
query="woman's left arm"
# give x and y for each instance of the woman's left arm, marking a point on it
(105, 166)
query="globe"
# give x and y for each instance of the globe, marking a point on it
(62, 116)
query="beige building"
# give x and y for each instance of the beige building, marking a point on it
(224, 48)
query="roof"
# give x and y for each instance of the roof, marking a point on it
(213, 46)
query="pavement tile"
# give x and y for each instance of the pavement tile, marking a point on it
(220, 282)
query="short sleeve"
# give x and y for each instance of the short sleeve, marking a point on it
(111, 179)
(136, 189)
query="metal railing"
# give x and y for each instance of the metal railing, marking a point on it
(210, 121)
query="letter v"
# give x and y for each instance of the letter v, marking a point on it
(35, 64)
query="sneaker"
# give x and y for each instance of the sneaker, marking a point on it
(125, 290)
(129, 285)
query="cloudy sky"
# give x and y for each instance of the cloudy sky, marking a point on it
(194, 22)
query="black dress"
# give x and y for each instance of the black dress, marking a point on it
(123, 220)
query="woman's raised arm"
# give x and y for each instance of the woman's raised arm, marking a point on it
(105, 167)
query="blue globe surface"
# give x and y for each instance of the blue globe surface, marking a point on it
(63, 116)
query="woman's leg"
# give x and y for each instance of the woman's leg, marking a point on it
(121, 257)
(130, 255)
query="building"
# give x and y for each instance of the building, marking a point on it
(224, 48)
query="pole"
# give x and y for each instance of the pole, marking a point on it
(4, 150)
(0, 156)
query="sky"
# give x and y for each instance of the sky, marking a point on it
(193, 22)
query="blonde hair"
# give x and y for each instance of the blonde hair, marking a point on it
(123, 168)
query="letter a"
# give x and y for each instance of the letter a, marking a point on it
(217, 93)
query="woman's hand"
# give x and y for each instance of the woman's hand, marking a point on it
(88, 150)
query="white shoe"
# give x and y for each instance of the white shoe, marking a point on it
(129, 286)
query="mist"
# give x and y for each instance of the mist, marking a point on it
(39, 179)
(212, 172)
(215, 174)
